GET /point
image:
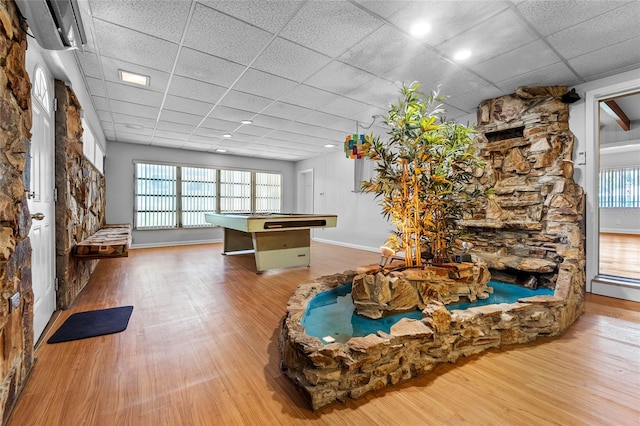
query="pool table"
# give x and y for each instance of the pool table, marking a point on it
(278, 240)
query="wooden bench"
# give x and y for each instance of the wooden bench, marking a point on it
(107, 242)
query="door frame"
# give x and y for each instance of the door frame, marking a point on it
(606, 286)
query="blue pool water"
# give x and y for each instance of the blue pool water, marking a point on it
(331, 313)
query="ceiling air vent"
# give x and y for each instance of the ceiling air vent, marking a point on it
(55, 24)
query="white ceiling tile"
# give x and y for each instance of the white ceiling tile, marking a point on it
(457, 84)
(89, 64)
(323, 119)
(207, 68)
(163, 19)
(503, 32)
(170, 135)
(217, 126)
(137, 95)
(266, 14)
(100, 103)
(623, 55)
(158, 80)
(316, 131)
(553, 75)
(309, 97)
(180, 117)
(175, 127)
(270, 122)
(96, 87)
(352, 109)
(522, 60)
(121, 128)
(447, 19)
(339, 78)
(239, 42)
(107, 125)
(245, 101)
(132, 137)
(290, 60)
(425, 68)
(135, 120)
(330, 27)
(176, 103)
(194, 89)
(263, 84)
(382, 51)
(230, 114)
(551, 16)
(285, 110)
(468, 102)
(601, 31)
(384, 9)
(251, 129)
(104, 116)
(132, 46)
(136, 110)
(376, 92)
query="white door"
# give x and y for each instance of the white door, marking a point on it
(41, 203)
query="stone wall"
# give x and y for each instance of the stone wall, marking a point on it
(534, 221)
(80, 209)
(336, 371)
(16, 327)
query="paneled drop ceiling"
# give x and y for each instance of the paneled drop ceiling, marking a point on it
(306, 73)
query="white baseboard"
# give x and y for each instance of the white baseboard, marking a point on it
(174, 243)
(353, 246)
(620, 289)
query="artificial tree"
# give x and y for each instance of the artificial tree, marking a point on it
(424, 174)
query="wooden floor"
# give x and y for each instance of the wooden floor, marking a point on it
(201, 349)
(620, 255)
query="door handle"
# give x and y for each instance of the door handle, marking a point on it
(37, 216)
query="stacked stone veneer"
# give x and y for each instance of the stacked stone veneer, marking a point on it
(16, 327)
(80, 209)
(530, 232)
(532, 226)
(338, 371)
(378, 292)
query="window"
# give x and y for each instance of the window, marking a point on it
(171, 196)
(268, 189)
(620, 187)
(91, 148)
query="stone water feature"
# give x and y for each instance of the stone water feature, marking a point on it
(530, 233)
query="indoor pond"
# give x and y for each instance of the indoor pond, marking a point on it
(331, 313)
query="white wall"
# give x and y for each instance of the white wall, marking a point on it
(119, 174)
(360, 221)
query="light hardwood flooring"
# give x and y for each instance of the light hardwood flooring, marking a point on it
(620, 255)
(202, 349)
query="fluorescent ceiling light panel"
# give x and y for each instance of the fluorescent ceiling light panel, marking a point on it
(133, 78)
(329, 145)
(462, 54)
(226, 135)
(221, 150)
(247, 122)
(420, 29)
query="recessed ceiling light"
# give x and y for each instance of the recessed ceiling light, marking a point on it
(247, 122)
(420, 29)
(133, 126)
(130, 77)
(329, 145)
(221, 150)
(226, 135)
(462, 54)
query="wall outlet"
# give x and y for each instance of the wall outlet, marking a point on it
(14, 302)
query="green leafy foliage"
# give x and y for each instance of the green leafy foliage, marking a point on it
(424, 175)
